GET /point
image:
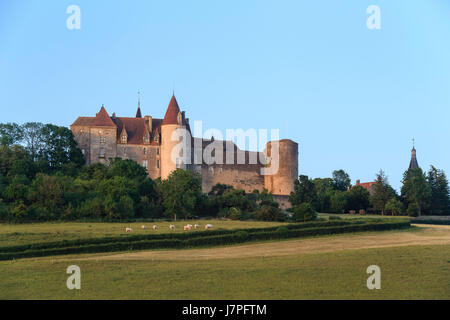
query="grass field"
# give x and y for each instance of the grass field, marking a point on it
(415, 264)
(16, 234)
(416, 272)
(331, 267)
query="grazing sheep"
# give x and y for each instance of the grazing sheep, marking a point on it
(155, 227)
(128, 230)
(188, 227)
(209, 226)
(143, 227)
(196, 226)
(172, 227)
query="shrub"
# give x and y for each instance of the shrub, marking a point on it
(413, 210)
(282, 230)
(242, 235)
(304, 212)
(269, 213)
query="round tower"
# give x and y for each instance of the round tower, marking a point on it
(171, 156)
(281, 181)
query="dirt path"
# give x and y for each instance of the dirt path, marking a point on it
(430, 235)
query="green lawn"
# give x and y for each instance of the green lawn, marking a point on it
(16, 234)
(415, 272)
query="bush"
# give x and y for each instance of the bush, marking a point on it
(304, 212)
(269, 213)
(235, 213)
(282, 230)
(413, 210)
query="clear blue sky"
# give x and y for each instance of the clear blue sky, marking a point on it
(353, 98)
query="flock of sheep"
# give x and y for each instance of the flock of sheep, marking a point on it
(187, 227)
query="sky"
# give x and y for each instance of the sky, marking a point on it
(352, 97)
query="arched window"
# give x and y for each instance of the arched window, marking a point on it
(124, 139)
(180, 118)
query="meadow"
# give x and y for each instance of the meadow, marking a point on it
(415, 264)
(17, 234)
(413, 272)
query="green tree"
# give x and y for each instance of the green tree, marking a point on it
(180, 193)
(358, 198)
(304, 191)
(440, 195)
(382, 192)
(338, 201)
(324, 188)
(416, 190)
(341, 180)
(10, 134)
(394, 206)
(304, 212)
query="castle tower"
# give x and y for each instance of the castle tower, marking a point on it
(282, 181)
(173, 120)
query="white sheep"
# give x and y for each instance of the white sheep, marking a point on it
(143, 227)
(172, 227)
(128, 230)
(155, 227)
(188, 227)
(196, 226)
(209, 226)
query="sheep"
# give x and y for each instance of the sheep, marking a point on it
(196, 226)
(155, 227)
(143, 227)
(209, 226)
(172, 227)
(128, 230)
(188, 227)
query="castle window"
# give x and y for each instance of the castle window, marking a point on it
(157, 138)
(220, 170)
(124, 139)
(145, 150)
(101, 153)
(102, 140)
(179, 118)
(157, 164)
(144, 164)
(211, 170)
(157, 151)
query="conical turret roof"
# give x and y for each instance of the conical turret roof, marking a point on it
(172, 112)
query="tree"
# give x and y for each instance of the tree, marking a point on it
(440, 195)
(180, 193)
(269, 213)
(10, 134)
(394, 206)
(304, 191)
(341, 180)
(358, 198)
(126, 168)
(382, 192)
(304, 212)
(32, 136)
(338, 201)
(324, 188)
(416, 190)
(59, 148)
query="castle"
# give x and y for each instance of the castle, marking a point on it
(150, 142)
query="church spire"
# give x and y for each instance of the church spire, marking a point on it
(138, 112)
(413, 164)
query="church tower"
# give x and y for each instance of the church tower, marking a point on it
(413, 164)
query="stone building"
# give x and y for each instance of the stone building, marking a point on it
(149, 141)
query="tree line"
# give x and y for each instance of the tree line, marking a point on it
(421, 194)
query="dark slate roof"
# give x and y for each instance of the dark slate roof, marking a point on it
(413, 164)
